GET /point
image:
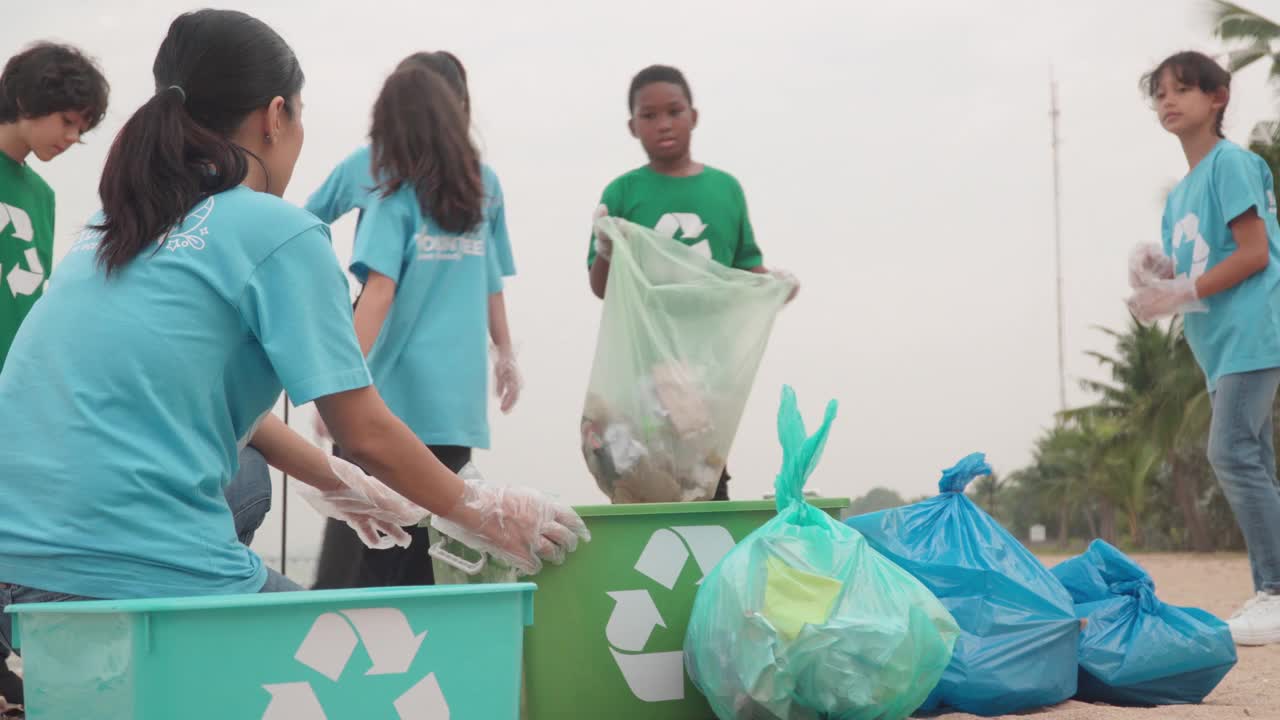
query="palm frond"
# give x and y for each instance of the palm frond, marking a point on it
(1244, 57)
(1232, 22)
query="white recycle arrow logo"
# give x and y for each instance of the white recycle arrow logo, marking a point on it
(689, 225)
(22, 282)
(659, 676)
(328, 647)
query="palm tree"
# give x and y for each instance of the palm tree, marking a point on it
(986, 490)
(1020, 501)
(1102, 444)
(1184, 411)
(1061, 474)
(1158, 396)
(1256, 34)
(1127, 464)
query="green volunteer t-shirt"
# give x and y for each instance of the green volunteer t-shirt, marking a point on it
(707, 211)
(26, 244)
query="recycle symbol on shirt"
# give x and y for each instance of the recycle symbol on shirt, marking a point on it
(659, 676)
(21, 282)
(328, 647)
(690, 227)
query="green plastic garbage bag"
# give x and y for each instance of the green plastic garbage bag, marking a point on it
(681, 337)
(804, 620)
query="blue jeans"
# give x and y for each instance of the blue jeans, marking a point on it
(1243, 455)
(249, 497)
(249, 494)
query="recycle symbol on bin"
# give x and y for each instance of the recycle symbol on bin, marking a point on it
(659, 676)
(328, 647)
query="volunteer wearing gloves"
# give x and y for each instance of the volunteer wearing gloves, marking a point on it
(703, 207)
(431, 250)
(167, 335)
(1219, 266)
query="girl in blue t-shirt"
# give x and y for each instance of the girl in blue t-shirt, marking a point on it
(1219, 266)
(166, 337)
(431, 250)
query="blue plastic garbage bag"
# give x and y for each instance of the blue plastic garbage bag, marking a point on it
(1137, 650)
(1018, 629)
(804, 620)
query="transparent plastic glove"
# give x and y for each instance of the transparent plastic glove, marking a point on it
(1148, 264)
(379, 534)
(377, 513)
(1163, 298)
(519, 526)
(604, 244)
(507, 381)
(788, 278)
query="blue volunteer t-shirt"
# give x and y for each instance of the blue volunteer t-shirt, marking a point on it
(124, 399)
(1240, 332)
(430, 361)
(351, 186)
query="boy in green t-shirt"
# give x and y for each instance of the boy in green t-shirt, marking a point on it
(49, 96)
(698, 205)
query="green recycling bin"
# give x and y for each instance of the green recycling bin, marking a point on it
(609, 638)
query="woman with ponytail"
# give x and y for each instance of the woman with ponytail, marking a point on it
(167, 335)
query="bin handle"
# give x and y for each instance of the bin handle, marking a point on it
(471, 568)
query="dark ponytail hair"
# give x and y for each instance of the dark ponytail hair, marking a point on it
(448, 66)
(1195, 70)
(419, 136)
(213, 69)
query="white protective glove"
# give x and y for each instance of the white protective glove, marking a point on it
(506, 378)
(520, 526)
(377, 513)
(1148, 264)
(604, 243)
(1162, 298)
(788, 278)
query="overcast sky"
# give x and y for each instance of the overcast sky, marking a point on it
(895, 157)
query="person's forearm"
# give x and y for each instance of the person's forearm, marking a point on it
(1239, 266)
(1252, 253)
(376, 440)
(499, 330)
(599, 276)
(289, 452)
(372, 310)
(394, 455)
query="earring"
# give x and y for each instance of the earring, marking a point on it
(270, 138)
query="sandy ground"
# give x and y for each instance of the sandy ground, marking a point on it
(1219, 584)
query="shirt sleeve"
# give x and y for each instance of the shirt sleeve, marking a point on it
(1239, 185)
(385, 226)
(611, 200)
(45, 251)
(295, 304)
(53, 217)
(1166, 232)
(501, 241)
(748, 255)
(336, 196)
(493, 272)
